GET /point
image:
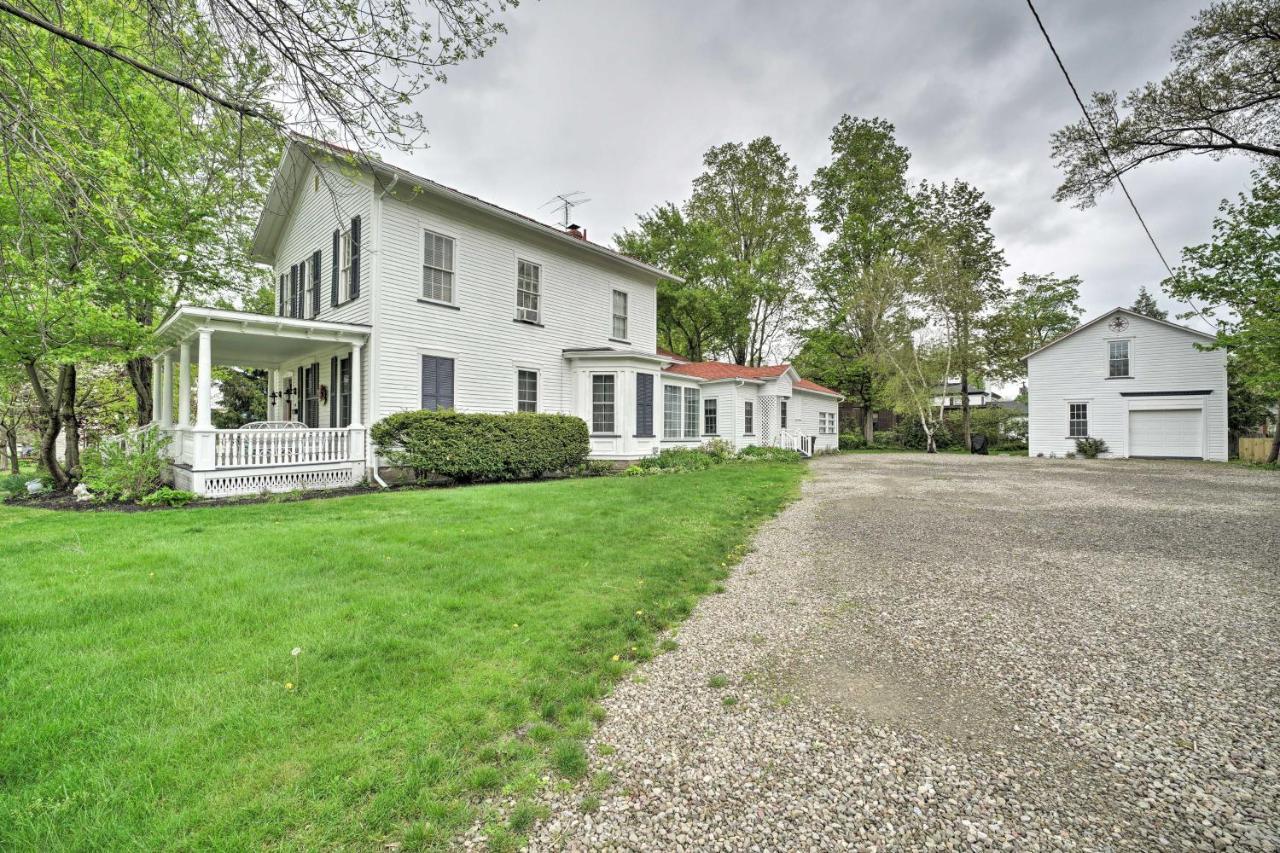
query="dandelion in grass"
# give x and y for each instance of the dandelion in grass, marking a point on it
(617, 657)
(288, 685)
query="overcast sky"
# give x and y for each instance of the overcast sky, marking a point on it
(621, 100)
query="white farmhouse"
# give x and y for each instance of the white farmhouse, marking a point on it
(394, 293)
(1139, 384)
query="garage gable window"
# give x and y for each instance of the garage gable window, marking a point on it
(1077, 420)
(1118, 359)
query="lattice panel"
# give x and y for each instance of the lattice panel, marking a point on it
(252, 484)
(766, 405)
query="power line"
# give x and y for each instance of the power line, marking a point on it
(1098, 136)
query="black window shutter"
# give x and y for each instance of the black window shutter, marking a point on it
(315, 283)
(429, 382)
(355, 257)
(299, 396)
(280, 297)
(334, 397)
(334, 297)
(644, 404)
(293, 290)
(344, 384)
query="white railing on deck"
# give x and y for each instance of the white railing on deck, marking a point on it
(235, 448)
(795, 441)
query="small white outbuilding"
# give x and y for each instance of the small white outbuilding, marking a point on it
(1139, 384)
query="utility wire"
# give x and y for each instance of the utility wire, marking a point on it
(1098, 136)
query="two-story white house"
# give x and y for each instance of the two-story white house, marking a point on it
(394, 293)
(1140, 384)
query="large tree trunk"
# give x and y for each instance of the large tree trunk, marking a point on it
(139, 370)
(11, 443)
(70, 425)
(1275, 447)
(964, 407)
(868, 425)
(49, 409)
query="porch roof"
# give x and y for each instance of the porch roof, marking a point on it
(245, 339)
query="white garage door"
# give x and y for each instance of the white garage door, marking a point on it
(1166, 432)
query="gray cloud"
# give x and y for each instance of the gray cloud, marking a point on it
(621, 99)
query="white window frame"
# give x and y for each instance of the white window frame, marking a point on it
(623, 317)
(524, 313)
(537, 387)
(748, 417)
(344, 266)
(613, 404)
(1071, 420)
(713, 413)
(670, 411)
(449, 275)
(692, 412)
(309, 289)
(826, 423)
(1128, 346)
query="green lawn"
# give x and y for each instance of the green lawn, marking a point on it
(453, 645)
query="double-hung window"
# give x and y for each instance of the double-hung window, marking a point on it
(670, 411)
(602, 403)
(826, 423)
(1118, 359)
(619, 315)
(782, 414)
(710, 412)
(437, 267)
(1077, 420)
(749, 417)
(528, 292)
(691, 396)
(526, 390)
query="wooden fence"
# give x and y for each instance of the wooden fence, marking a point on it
(1255, 449)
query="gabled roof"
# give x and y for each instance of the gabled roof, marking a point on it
(712, 371)
(1107, 315)
(302, 150)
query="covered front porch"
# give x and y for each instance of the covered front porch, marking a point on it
(314, 435)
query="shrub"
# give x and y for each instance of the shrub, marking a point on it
(719, 448)
(129, 467)
(758, 453)
(680, 459)
(165, 496)
(595, 468)
(887, 438)
(13, 486)
(1090, 448)
(911, 434)
(852, 441)
(468, 447)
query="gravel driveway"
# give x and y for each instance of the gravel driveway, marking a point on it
(949, 652)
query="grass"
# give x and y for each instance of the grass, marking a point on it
(453, 645)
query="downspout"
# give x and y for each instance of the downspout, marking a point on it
(376, 217)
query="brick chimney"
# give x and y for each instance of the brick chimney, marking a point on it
(575, 231)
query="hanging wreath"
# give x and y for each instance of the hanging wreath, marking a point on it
(324, 393)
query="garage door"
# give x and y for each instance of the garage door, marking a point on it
(1166, 432)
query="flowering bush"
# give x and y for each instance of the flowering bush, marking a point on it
(129, 467)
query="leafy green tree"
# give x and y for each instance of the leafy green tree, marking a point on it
(1238, 274)
(1222, 97)
(751, 197)
(243, 397)
(1147, 306)
(961, 280)
(1246, 409)
(1038, 309)
(695, 316)
(863, 203)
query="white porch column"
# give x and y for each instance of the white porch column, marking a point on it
(355, 385)
(155, 390)
(204, 381)
(184, 385)
(166, 392)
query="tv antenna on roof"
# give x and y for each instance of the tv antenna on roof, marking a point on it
(566, 202)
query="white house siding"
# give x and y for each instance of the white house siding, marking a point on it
(748, 392)
(807, 405)
(314, 216)
(1162, 358)
(726, 397)
(480, 332)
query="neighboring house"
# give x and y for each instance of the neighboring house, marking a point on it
(395, 293)
(1139, 384)
(952, 395)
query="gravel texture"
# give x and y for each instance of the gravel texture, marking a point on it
(955, 652)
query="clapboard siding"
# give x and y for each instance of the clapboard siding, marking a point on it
(313, 217)
(1162, 358)
(480, 333)
(805, 407)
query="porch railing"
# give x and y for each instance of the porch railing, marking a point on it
(254, 448)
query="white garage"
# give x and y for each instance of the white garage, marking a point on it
(1175, 433)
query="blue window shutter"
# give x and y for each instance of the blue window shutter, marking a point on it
(355, 257)
(444, 383)
(315, 283)
(333, 283)
(333, 391)
(644, 404)
(429, 398)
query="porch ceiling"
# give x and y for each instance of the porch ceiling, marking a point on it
(256, 340)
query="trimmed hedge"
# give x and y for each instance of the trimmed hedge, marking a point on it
(468, 447)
